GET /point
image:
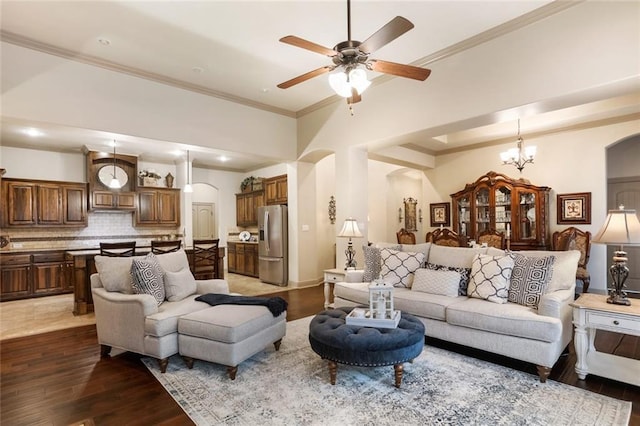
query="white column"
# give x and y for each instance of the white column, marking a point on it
(352, 197)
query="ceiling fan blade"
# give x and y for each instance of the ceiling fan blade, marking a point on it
(305, 44)
(401, 70)
(305, 77)
(391, 31)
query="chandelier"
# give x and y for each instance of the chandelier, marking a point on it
(518, 157)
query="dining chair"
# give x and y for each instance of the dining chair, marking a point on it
(124, 249)
(160, 246)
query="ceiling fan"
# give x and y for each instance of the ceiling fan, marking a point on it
(352, 56)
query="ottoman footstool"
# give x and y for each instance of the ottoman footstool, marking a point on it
(339, 343)
(229, 334)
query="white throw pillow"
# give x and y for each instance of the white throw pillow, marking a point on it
(173, 262)
(398, 266)
(373, 262)
(490, 277)
(563, 275)
(445, 283)
(417, 248)
(178, 285)
(115, 272)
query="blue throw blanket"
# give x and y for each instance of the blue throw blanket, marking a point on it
(276, 305)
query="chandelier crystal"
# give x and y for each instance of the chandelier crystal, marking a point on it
(520, 155)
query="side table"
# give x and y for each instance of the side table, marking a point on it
(591, 312)
(331, 276)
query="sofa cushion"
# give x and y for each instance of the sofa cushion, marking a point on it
(173, 262)
(529, 279)
(165, 321)
(115, 272)
(179, 285)
(458, 257)
(565, 266)
(373, 262)
(445, 283)
(146, 277)
(490, 277)
(417, 248)
(424, 305)
(509, 318)
(398, 266)
(464, 275)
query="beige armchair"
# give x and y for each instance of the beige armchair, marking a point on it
(135, 322)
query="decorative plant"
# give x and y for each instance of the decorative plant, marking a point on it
(246, 183)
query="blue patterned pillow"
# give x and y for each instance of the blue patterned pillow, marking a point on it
(490, 276)
(530, 278)
(398, 266)
(146, 277)
(464, 275)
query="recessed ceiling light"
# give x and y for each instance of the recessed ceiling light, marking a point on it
(34, 133)
(197, 70)
(265, 90)
(223, 158)
(104, 41)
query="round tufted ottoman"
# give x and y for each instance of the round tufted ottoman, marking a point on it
(337, 342)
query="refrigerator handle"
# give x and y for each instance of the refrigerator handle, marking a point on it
(266, 229)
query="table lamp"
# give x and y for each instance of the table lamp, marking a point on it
(620, 228)
(350, 230)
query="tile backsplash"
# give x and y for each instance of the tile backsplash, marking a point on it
(102, 226)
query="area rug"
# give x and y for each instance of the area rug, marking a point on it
(291, 387)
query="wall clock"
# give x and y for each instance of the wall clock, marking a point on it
(106, 175)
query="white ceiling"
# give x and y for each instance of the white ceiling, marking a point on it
(230, 49)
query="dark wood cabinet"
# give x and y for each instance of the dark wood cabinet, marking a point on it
(242, 258)
(34, 274)
(158, 207)
(247, 207)
(275, 190)
(513, 206)
(32, 203)
(111, 200)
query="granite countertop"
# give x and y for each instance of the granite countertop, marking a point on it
(76, 250)
(242, 242)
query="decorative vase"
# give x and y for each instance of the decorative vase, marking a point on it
(169, 179)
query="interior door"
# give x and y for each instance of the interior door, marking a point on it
(626, 191)
(203, 218)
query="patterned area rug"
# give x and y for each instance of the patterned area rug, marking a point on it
(291, 387)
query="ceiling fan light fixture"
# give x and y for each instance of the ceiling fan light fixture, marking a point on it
(339, 84)
(358, 79)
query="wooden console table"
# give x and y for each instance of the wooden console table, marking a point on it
(591, 312)
(84, 266)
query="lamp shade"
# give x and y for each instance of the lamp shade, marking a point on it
(621, 227)
(350, 229)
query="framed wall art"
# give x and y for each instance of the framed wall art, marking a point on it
(574, 208)
(410, 214)
(440, 214)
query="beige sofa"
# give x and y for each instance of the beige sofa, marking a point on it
(536, 335)
(135, 322)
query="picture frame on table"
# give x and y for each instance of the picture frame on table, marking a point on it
(440, 214)
(574, 208)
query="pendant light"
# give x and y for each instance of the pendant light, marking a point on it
(188, 187)
(115, 183)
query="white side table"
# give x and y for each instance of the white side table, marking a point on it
(591, 312)
(331, 276)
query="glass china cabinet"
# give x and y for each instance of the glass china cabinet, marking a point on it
(512, 206)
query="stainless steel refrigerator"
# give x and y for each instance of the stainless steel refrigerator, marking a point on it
(273, 245)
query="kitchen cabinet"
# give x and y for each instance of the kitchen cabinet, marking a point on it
(36, 203)
(158, 207)
(513, 206)
(275, 190)
(33, 274)
(100, 165)
(242, 258)
(111, 200)
(247, 205)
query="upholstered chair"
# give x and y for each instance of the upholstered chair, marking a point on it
(492, 238)
(575, 239)
(446, 237)
(405, 237)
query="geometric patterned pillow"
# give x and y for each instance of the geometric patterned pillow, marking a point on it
(431, 281)
(490, 277)
(398, 266)
(146, 277)
(530, 278)
(464, 275)
(372, 262)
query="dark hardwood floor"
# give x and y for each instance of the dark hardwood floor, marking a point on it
(58, 378)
